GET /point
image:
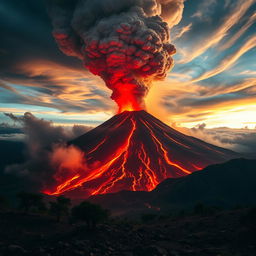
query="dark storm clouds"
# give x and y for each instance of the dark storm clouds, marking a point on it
(26, 31)
(31, 61)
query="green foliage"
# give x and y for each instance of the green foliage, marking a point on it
(90, 213)
(60, 208)
(30, 201)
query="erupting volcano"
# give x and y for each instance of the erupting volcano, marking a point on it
(127, 44)
(135, 151)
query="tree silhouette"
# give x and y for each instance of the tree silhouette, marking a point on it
(60, 208)
(90, 213)
(31, 200)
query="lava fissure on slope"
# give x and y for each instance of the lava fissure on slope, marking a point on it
(135, 151)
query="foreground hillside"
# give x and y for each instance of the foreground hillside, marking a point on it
(223, 233)
(207, 213)
(227, 185)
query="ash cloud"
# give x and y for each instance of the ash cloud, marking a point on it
(126, 42)
(47, 152)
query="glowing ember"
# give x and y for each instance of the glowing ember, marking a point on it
(135, 151)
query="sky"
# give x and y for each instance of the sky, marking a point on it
(213, 81)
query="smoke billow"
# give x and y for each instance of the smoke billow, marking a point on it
(125, 42)
(47, 154)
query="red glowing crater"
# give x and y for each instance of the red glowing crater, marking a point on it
(134, 151)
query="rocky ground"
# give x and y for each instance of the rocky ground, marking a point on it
(220, 234)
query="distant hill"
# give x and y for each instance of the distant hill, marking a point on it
(229, 184)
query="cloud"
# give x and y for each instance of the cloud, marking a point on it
(230, 42)
(51, 85)
(204, 9)
(9, 132)
(240, 140)
(229, 61)
(217, 35)
(127, 43)
(37, 77)
(188, 103)
(181, 31)
(47, 152)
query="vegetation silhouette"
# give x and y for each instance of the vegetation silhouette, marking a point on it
(29, 201)
(60, 207)
(90, 213)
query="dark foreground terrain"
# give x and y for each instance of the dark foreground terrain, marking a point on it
(226, 185)
(207, 213)
(219, 233)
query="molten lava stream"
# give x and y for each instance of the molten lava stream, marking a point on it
(132, 151)
(164, 151)
(75, 182)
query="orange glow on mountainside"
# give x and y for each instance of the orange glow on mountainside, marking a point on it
(134, 151)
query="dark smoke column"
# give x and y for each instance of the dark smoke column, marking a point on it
(125, 42)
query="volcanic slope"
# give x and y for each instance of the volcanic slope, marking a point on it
(136, 151)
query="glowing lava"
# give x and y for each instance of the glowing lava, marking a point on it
(127, 97)
(135, 151)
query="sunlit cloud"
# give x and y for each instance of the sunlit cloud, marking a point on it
(51, 85)
(230, 42)
(217, 35)
(213, 80)
(183, 30)
(229, 60)
(204, 9)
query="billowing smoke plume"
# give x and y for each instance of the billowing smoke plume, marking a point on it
(125, 42)
(47, 155)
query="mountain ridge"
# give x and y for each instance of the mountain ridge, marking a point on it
(227, 185)
(136, 151)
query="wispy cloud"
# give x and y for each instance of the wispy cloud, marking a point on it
(182, 31)
(217, 35)
(227, 62)
(52, 85)
(204, 9)
(230, 42)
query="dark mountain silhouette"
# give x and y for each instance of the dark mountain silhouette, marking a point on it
(227, 185)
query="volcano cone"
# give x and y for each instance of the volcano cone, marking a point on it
(136, 151)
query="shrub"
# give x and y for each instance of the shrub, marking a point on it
(90, 213)
(60, 208)
(31, 200)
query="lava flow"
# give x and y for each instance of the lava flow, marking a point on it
(135, 151)
(128, 44)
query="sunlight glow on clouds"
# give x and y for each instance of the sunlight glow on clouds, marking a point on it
(213, 81)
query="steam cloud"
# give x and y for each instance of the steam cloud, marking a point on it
(48, 156)
(125, 42)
